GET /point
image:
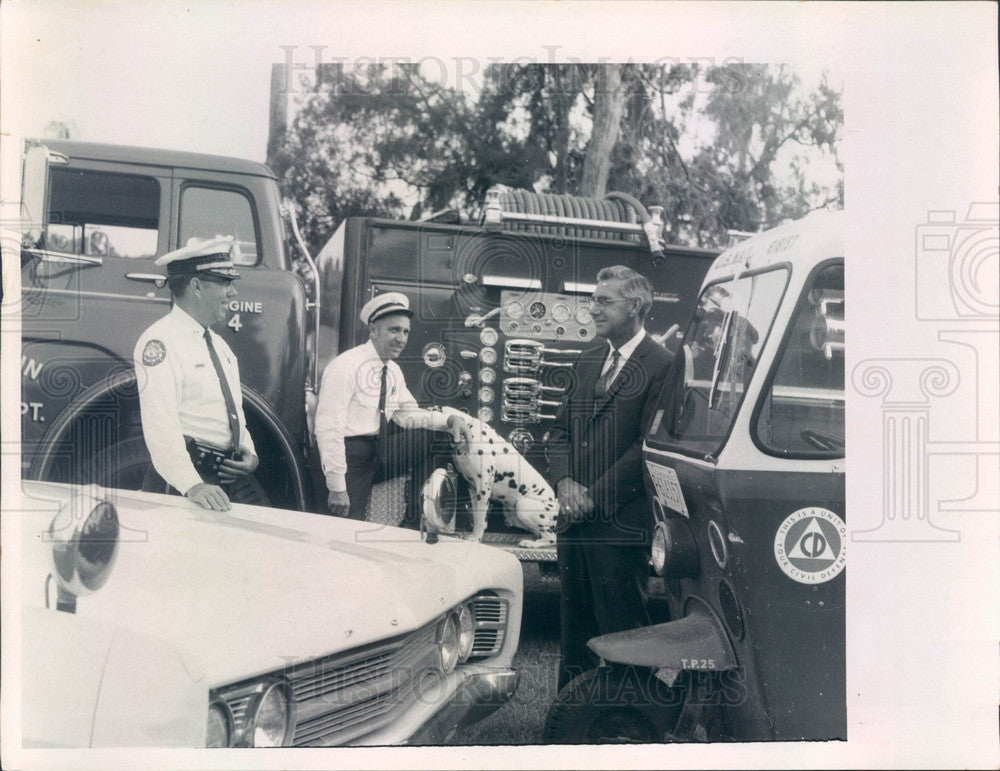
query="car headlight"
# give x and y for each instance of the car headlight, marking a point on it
(447, 640)
(271, 719)
(220, 726)
(84, 543)
(466, 624)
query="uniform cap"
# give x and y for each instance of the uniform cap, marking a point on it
(385, 305)
(203, 257)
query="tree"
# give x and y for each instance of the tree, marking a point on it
(378, 143)
(727, 147)
(609, 104)
(747, 136)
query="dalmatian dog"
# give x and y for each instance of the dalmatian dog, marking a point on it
(496, 471)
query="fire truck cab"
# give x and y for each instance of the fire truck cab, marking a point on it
(745, 462)
(98, 215)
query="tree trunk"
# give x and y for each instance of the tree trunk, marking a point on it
(277, 114)
(609, 102)
(561, 110)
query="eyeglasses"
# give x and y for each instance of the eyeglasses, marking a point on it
(605, 302)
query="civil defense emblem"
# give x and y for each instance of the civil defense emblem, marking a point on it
(810, 545)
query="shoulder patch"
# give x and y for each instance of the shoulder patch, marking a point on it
(154, 352)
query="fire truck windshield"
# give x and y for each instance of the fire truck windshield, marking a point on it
(717, 359)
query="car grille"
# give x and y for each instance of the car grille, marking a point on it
(346, 695)
(490, 614)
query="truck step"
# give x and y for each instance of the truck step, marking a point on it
(508, 542)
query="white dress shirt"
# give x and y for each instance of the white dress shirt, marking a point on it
(348, 406)
(180, 395)
(626, 351)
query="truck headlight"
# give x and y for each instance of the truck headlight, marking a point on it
(220, 726)
(435, 355)
(658, 548)
(447, 640)
(271, 719)
(466, 625)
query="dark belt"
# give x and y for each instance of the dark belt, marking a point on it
(362, 438)
(207, 458)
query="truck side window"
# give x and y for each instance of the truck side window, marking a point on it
(103, 214)
(207, 212)
(803, 411)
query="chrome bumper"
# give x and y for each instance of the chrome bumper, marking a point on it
(479, 695)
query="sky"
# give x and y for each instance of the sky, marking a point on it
(172, 75)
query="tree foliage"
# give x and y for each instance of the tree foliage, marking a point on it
(725, 147)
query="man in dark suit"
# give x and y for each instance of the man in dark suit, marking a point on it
(595, 465)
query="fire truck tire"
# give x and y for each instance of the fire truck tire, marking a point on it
(124, 465)
(613, 705)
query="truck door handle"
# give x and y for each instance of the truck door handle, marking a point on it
(156, 278)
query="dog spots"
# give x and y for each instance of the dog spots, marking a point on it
(511, 481)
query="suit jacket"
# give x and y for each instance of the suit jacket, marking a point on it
(598, 443)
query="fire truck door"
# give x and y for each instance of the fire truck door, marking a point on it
(265, 324)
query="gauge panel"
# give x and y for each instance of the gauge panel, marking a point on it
(545, 316)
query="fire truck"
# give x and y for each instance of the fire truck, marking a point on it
(500, 309)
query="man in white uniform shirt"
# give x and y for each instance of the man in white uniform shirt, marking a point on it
(361, 391)
(189, 382)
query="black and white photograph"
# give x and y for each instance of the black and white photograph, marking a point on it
(442, 384)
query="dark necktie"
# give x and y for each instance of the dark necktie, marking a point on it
(227, 394)
(604, 381)
(383, 423)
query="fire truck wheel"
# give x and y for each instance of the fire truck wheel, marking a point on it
(613, 705)
(124, 465)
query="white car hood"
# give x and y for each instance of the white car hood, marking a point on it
(256, 589)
